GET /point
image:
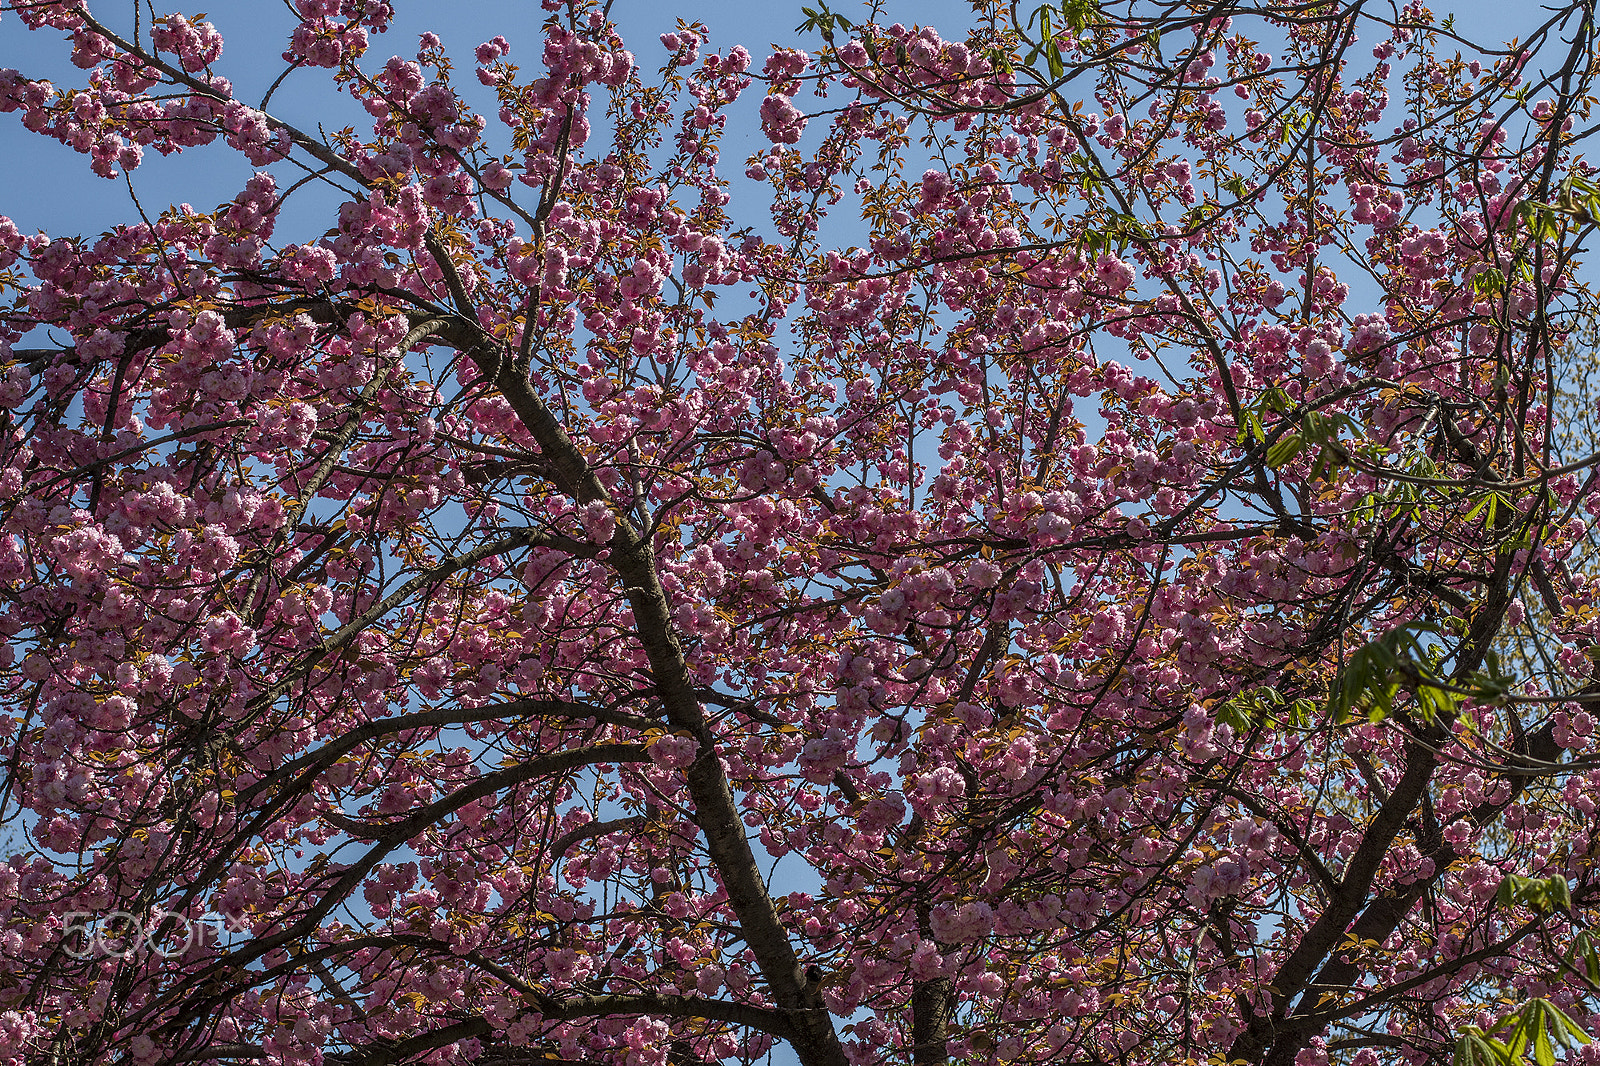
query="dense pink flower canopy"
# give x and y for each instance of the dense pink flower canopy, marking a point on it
(1077, 551)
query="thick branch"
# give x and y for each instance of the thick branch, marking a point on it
(716, 811)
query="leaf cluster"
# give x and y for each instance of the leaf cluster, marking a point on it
(1537, 1028)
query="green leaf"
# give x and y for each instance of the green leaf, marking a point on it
(1541, 895)
(1295, 125)
(1584, 951)
(1434, 702)
(1560, 893)
(1284, 450)
(1517, 1041)
(1487, 504)
(1047, 43)
(1080, 14)
(1052, 59)
(1542, 1024)
(1275, 400)
(1372, 678)
(824, 21)
(1543, 1052)
(1540, 219)
(1489, 282)
(1234, 716)
(1566, 1029)
(1474, 1048)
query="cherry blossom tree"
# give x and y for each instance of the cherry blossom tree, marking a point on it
(1016, 571)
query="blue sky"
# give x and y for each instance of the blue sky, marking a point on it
(44, 185)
